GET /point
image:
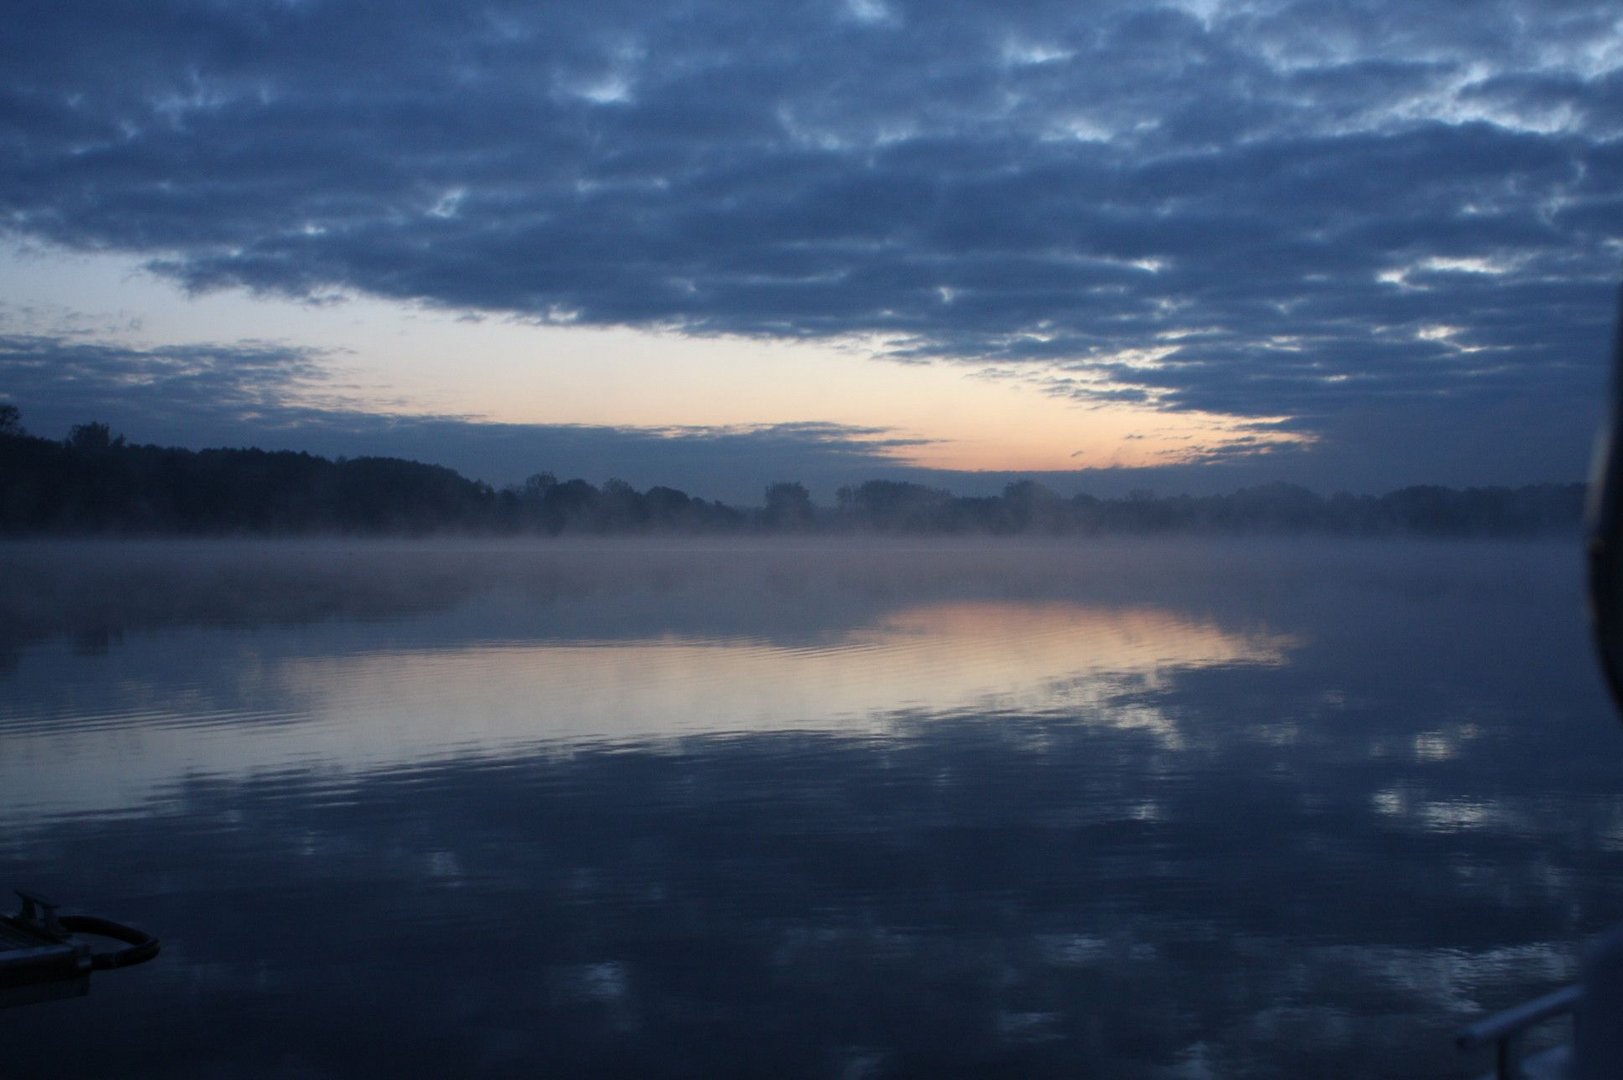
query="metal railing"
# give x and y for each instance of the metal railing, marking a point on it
(1505, 1030)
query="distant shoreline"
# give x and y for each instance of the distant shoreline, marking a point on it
(95, 484)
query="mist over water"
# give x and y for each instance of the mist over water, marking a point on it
(906, 809)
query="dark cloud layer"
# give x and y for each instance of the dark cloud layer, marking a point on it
(1310, 211)
(278, 398)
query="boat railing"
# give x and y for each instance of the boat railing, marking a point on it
(1505, 1030)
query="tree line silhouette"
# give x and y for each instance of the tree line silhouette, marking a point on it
(95, 482)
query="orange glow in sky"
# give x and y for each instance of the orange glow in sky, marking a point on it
(391, 357)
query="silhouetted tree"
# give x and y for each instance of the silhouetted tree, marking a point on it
(1032, 506)
(895, 506)
(669, 509)
(567, 504)
(788, 507)
(1272, 507)
(539, 484)
(93, 436)
(620, 508)
(93, 481)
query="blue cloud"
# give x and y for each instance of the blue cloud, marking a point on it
(1024, 184)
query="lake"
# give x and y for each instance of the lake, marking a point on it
(819, 809)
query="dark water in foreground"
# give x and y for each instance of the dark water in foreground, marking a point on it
(1074, 810)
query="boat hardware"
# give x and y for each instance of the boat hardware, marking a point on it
(45, 955)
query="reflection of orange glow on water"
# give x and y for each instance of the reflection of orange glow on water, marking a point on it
(936, 659)
(383, 709)
(1038, 641)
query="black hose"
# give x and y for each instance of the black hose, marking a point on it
(141, 946)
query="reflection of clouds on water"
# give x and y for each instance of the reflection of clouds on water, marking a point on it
(968, 892)
(1450, 814)
(243, 708)
(1443, 745)
(1301, 824)
(1091, 950)
(1416, 809)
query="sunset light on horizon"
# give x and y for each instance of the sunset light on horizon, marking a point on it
(1194, 245)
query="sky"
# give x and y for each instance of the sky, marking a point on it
(1181, 246)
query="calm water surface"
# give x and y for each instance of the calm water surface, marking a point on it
(1118, 809)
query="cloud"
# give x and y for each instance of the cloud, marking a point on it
(1288, 193)
(162, 387)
